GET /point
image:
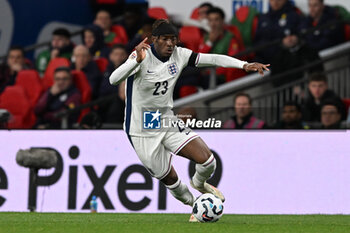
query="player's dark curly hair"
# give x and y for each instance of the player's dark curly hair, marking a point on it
(163, 27)
(158, 22)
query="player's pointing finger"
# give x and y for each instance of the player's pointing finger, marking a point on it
(266, 67)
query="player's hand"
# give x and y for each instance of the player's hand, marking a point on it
(141, 50)
(255, 66)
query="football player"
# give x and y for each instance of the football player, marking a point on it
(151, 72)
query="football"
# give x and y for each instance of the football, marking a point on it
(208, 208)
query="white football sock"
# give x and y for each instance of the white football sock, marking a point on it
(180, 191)
(204, 171)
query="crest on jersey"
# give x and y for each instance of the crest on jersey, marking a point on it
(132, 55)
(172, 68)
(151, 120)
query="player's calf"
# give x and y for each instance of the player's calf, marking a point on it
(180, 191)
(203, 172)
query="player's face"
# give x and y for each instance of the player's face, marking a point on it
(329, 115)
(242, 107)
(165, 45)
(291, 114)
(317, 88)
(315, 8)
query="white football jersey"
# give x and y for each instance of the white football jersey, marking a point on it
(149, 92)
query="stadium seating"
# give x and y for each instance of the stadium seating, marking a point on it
(121, 38)
(344, 14)
(53, 65)
(102, 64)
(190, 36)
(157, 13)
(30, 81)
(15, 100)
(195, 14)
(346, 101)
(187, 90)
(81, 82)
(246, 21)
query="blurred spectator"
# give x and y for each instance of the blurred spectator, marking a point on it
(318, 93)
(320, 14)
(115, 7)
(244, 118)
(113, 111)
(291, 117)
(201, 19)
(93, 39)
(83, 61)
(117, 56)
(61, 46)
(145, 31)
(62, 95)
(331, 115)
(281, 22)
(132, 20)
(203, 10)
(246, 20)
(220, 41)
(103, 20)
(15, 62)
(90, 121)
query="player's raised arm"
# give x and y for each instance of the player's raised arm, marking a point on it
(141, 50)
(134, 60)
(205, 59)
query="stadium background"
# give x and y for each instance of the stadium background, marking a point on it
(316, 175)
(25, 23)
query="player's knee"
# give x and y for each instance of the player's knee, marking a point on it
(170, 179)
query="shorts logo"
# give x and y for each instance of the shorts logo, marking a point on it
(172, 68)
(151, 120)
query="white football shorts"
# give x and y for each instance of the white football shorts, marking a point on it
(156, 152)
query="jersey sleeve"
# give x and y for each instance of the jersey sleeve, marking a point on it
(205, 59)
(188, 56)
(128, 68)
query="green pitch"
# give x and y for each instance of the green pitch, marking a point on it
(163, 223)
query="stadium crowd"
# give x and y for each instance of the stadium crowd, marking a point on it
(67, 75)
